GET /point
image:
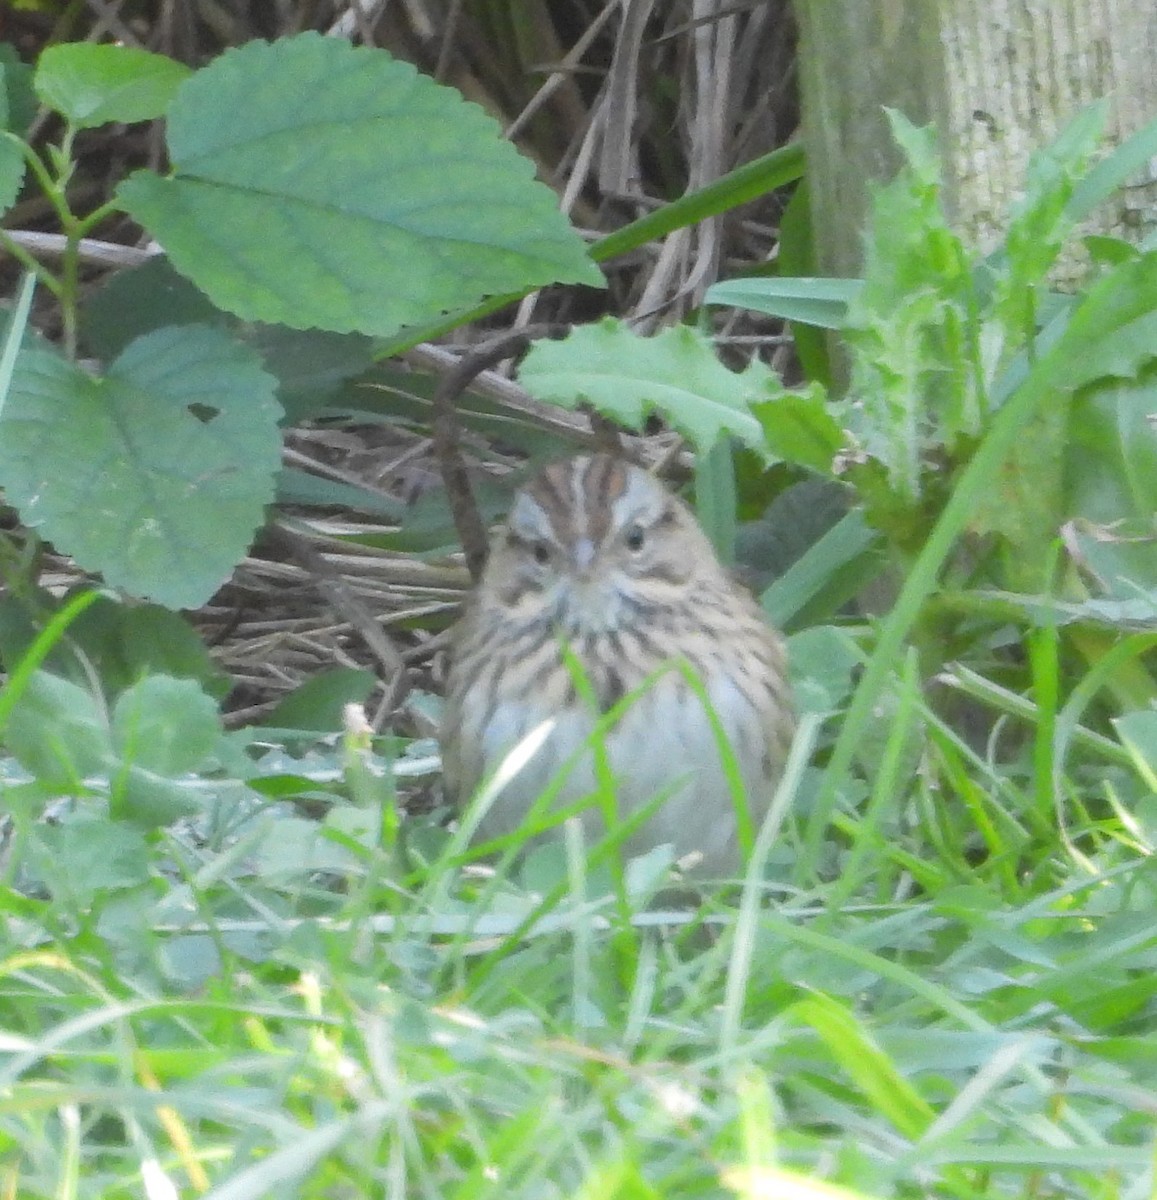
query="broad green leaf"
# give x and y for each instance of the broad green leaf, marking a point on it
(320, 184)
(59, 731)
(1025, 503)
(311, 366)
(89, 855)
(165, 725)
(1117, 436)
(820, 302)
(823, 662)
(156, 475)
(151, 800)
(675, 373)
(137, 301)
(92, 85)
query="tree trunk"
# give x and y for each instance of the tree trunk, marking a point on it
(998, 78)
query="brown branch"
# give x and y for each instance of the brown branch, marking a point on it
(463, 507)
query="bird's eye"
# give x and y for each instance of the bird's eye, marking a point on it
(635, 538)
(541, 553)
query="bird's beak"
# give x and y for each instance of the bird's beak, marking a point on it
(584, 555)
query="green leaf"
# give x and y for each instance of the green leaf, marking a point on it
(320, 184)
(1040, 223)
(318, 703)
(715, 499)
(799, 428)
(59, 731)
(745, 183)
(820, 302)
(88, 855)
(1025, 500)
(310, 365)
(156, 475)
(628, 377)
(140, 300)
(92, 85)
(1113, 331)
(1133, 155)
(834, 569)
(17, 108)
(823, 661)
(300, 487)
(119, 642)
(913, 392)
(1117, 431)
(11, 170)
(18, 99)
(165, 725)
(151, 800)
(1110, 475)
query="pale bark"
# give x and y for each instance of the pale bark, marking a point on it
(998, 78)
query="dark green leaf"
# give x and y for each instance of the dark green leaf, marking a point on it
(300, 487)
(1133, 155)
(823, 660)
(827, 575)
(140, 300)
(153, 801)
(748, 182)
(11, 170)
(318, 703)
(120, 642)
(19, 98)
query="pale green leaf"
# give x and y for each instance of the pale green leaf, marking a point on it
(92, 85)
(675, 373)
